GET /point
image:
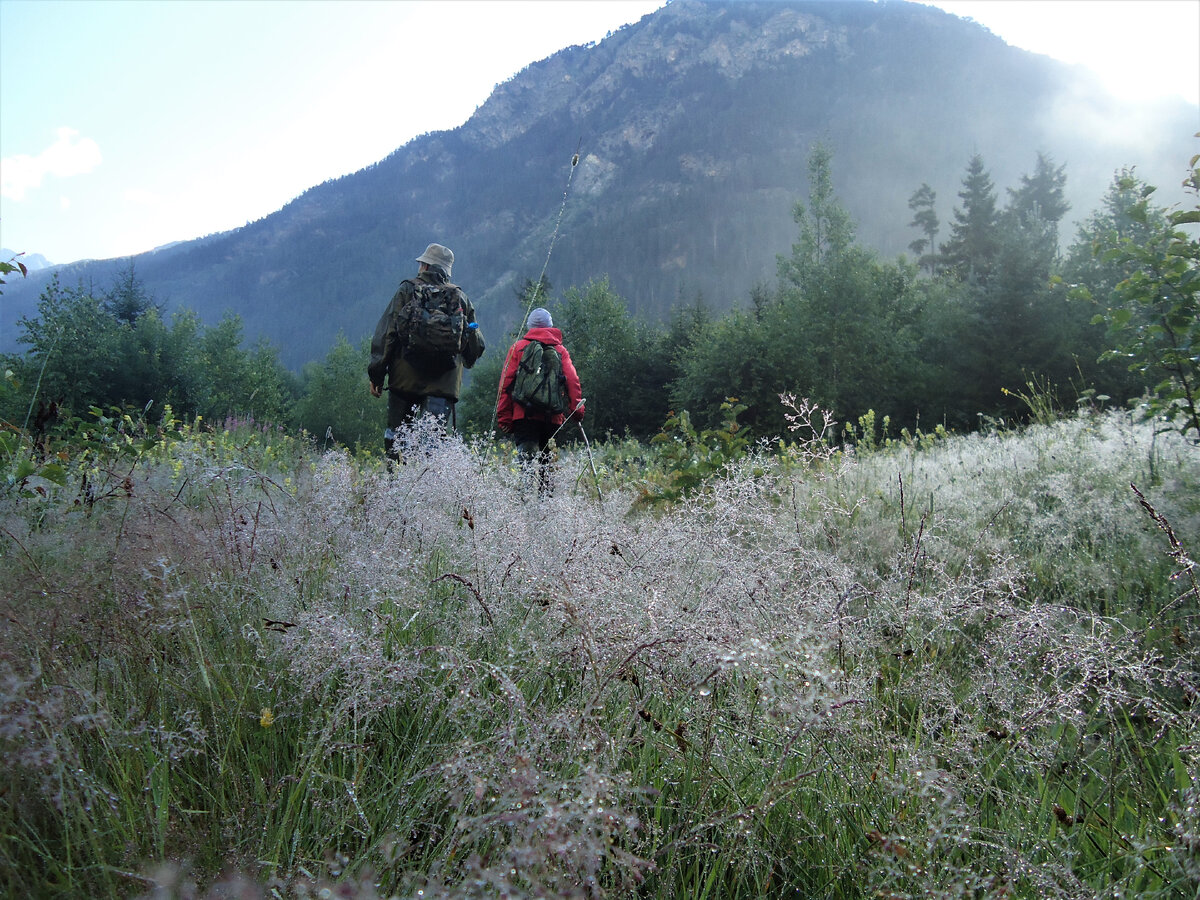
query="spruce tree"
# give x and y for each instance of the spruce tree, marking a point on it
(1041, 195)
(971, 250)
(925, 218)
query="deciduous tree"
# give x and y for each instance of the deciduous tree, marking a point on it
(334, 401)
(1154, 317)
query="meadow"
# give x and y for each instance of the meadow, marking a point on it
(236, 663)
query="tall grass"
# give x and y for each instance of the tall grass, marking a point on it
(233, 666)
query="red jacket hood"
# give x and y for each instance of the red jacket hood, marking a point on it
(544, 335)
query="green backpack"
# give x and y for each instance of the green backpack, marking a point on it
(435, 325)
(539, 385)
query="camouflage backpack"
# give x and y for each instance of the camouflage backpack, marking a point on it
(435, 324)
(539, 385)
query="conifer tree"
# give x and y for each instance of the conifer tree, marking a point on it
(971, 250)
(925, 219)
(127, 300)
(1020, 317)
(1040, 196)
(116, 350)
(841, 330)
(604, 343)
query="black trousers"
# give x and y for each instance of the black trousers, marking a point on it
(532, 437)
(404, 409)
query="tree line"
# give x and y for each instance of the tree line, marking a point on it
(115, 347)
(964, 333)
(985, 313)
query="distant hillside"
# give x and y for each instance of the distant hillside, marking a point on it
(32, 261)
(693, 126)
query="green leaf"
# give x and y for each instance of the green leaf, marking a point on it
(55, 473)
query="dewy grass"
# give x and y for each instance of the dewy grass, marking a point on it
(950, 668)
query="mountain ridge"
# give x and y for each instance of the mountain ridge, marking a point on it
(692, 128)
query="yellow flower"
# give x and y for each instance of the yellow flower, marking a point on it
(268, 717)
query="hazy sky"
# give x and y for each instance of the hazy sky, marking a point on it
(128, 124)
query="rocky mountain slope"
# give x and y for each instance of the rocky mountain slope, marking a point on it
(691, 130)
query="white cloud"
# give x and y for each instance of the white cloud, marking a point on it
(68, 155)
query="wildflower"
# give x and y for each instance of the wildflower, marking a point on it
(268, 718)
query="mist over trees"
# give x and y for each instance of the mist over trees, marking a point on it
(972, 332)
(992, 324)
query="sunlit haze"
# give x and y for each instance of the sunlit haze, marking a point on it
(129, 125)
(1139, 49)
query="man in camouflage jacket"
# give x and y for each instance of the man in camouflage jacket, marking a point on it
(413, 388)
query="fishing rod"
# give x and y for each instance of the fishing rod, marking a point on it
(537, 288)
(533, 298)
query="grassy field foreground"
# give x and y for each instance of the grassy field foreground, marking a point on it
(965, 667)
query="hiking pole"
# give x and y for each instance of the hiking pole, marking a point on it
(595, 475)
(586, 443)
(567, 418)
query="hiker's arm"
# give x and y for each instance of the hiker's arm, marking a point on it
(473, 345)
(504, 400)
(383, 346)
(574, 390)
